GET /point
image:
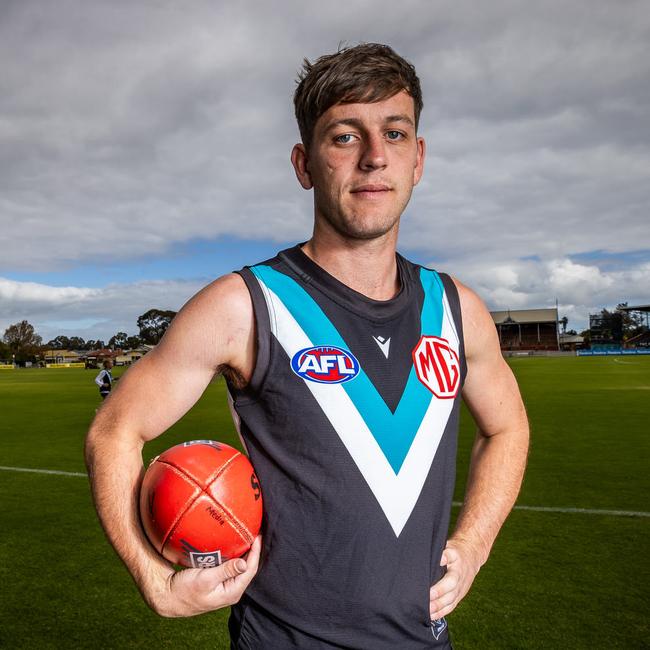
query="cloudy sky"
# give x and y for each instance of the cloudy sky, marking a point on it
(144, 149)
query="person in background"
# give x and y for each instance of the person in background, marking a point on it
(105, 379)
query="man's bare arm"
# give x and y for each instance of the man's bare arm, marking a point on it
(214, 329)
(498, 456)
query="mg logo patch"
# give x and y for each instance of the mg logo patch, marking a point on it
(325, 364)
(437, 366)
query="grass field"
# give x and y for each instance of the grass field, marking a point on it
(555, 579)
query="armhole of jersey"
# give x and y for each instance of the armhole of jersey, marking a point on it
(262, 335)
(453, 299)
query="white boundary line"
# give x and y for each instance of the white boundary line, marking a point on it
(41, 471)
(578, 511)
(574, 511)
(586, 511)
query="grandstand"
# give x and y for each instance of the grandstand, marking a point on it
(642, 339)
(606, 330)
(527, 329)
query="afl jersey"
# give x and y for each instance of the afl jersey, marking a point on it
(350, 419)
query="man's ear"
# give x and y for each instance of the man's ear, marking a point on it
(299, 160)
(419, 161)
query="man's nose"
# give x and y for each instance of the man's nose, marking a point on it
(373, 155)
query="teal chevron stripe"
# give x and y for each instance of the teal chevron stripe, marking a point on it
(394, 432)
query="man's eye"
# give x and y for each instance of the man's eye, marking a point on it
(394, 135)
(344, 138)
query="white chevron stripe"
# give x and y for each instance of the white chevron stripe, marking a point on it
(396, 494)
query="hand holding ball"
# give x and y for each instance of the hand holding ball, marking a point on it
(201, 503)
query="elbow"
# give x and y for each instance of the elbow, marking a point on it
(90, 448)
(96, 437)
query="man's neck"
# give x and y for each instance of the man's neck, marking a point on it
(367, 266)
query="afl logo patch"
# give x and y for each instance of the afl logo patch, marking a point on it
(325, 364)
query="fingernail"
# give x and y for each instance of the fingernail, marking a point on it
(240, 565)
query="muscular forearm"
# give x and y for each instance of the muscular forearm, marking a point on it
(115, 492)
(495, 475)
(115, 468)
(498, 457)
(496, 471)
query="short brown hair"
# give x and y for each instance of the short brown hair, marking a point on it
(366, 73)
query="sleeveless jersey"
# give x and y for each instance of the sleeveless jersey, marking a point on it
(350, 419)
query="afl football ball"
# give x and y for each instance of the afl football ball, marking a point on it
(201, 503)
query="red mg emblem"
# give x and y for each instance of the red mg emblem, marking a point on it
(437, 366)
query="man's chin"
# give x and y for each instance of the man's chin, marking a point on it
(366, 232)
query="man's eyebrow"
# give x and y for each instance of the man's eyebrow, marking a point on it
(399, 118)
(347, 121)
(357, 123)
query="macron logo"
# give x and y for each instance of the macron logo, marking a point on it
(383, 343)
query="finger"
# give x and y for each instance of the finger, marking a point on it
(444, 559)
(440, 613)
(445, 585)
(233, 569)
(253, 556)
(228, 570)
(438, 604)
(450, 554)
(443, 601)
(249, 564)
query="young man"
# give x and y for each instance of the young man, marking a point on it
(345, 364)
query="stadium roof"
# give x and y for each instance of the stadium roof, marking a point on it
(524, 316)
(571, 338)
(635, 308)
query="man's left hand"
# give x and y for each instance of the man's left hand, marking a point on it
(462, 566)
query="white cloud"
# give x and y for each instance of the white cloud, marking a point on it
(26, 294)
(88, 312)
(578, 282)
(580, 289)
(126, 129)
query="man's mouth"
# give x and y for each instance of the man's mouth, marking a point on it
(371, 191)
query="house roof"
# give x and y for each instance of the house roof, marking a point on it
(524, 316)
(106, 352)
(64, 354)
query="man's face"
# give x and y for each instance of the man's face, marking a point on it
(363, 162)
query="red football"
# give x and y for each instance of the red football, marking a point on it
(201, 503)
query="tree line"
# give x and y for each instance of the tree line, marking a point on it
(21, 343)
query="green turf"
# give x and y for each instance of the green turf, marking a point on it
(554, 580)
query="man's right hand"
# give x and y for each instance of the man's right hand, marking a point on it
(195, 591)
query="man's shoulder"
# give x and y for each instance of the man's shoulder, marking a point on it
(213, 328)
(225, 299)
(478, 326)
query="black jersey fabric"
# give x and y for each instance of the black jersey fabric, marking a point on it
(350, 420)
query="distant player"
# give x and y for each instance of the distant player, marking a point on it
(105, 379)
(346, 365)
